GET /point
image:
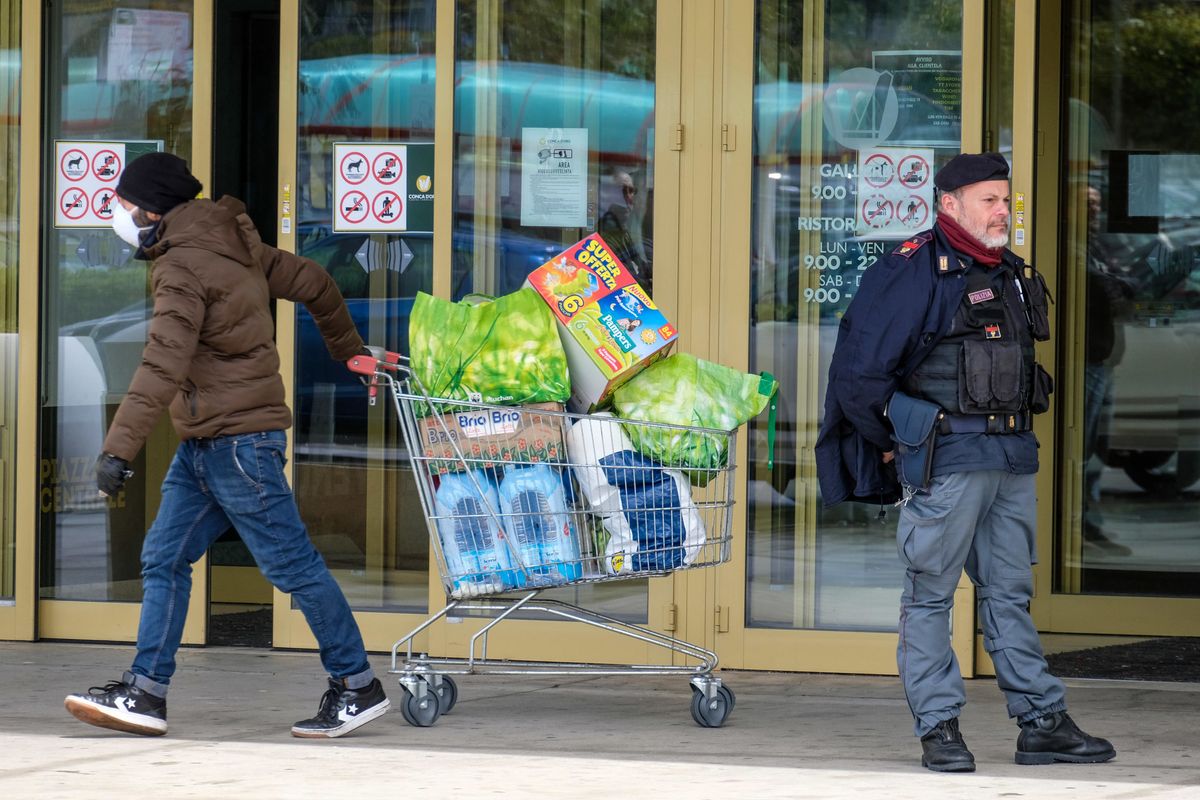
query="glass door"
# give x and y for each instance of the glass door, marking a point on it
(356, 77)
(469, 93)
(1126, 557)
(554, 138)
(118, 82)
(855, 105)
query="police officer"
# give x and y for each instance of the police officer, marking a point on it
(947, 322)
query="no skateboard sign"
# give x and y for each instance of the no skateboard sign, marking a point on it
(102, 204)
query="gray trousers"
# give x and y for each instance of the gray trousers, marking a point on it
(984, 522)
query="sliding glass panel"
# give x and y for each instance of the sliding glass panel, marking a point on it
(366, 95)
(118, 83)
(856, 103)
(1131, 235)
(554, 139)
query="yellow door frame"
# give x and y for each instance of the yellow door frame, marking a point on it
(17, 617)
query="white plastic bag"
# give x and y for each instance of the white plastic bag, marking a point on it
(596, 445)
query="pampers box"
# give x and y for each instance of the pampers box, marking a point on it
(610, 328)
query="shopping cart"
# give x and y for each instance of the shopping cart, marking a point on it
(520, 500)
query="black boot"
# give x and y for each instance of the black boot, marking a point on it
(1056, 737)
(943, 749)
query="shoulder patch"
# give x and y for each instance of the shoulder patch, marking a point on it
(914, 244)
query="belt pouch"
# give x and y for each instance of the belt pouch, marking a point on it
(1043, 386)
(913, 421)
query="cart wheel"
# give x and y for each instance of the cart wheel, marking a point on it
(423, 712)
(724, 689)
(710, 713)
(447, 694)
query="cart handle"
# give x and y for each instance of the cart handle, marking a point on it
(371, 362)
(370, 365)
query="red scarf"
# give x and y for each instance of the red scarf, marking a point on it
(967, 244)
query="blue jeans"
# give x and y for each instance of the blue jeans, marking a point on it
(237, 481)
(983, 522)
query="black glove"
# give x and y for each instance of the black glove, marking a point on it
(111, 473)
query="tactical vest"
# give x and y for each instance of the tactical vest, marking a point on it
(985, 362)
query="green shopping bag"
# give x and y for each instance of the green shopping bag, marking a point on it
(504, 350)
(682, 390)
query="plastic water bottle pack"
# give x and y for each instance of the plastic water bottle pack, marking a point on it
(476, 554)
(534, 511)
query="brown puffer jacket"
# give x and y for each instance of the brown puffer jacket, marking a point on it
(211, 352)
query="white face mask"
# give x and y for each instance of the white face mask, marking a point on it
(125, 227)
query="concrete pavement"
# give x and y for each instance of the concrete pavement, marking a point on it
(791, 736)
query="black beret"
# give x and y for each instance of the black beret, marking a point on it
(967, 168)
(157, 182)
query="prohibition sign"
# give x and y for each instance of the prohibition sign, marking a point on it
(74, 204)
(878, 170)
(102, 203)
(353, 207)
(387, 168)
(106, 165)
(353, 167)
(912, 212)
(74, 164)
(387, 206)
(913, 171)
(877, 211)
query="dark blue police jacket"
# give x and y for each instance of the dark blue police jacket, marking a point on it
(904, 306)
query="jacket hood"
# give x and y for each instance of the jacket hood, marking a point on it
(206, 225)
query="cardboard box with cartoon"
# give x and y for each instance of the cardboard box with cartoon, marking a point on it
(609, 326)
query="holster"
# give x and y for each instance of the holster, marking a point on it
(913, 422)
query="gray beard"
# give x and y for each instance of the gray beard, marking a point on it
(988, 240)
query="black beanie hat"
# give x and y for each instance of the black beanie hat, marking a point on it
(157, 182)
(967, 168)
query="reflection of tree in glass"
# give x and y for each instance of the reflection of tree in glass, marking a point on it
(535, 31)
(854, 29)
(1157, 47)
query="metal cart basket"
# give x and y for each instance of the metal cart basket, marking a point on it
(520, 500)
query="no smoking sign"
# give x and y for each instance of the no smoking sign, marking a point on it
(353, 208)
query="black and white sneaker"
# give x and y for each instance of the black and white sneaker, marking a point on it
(342, 710)
(120, 706)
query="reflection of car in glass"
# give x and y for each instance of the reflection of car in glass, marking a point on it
(806, 266)
(329, 401)
(1153, 430)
